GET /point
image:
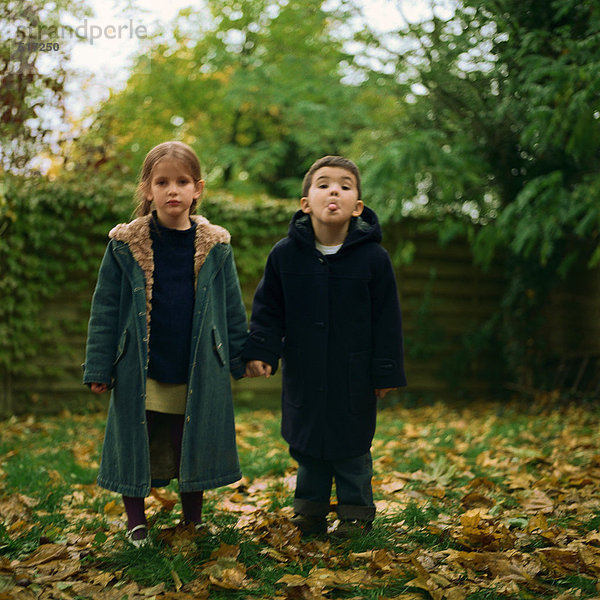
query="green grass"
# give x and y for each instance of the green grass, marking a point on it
(52, 464)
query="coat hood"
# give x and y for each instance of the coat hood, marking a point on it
(364, 228)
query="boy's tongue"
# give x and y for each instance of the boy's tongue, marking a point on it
(332, 206)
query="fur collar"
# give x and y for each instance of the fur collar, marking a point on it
(136, 235)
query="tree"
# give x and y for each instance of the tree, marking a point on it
(256, 87)
(499, 138)
(501, 125)
(34, 44)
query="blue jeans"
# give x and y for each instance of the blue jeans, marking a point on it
(352, 483)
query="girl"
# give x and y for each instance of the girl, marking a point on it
(167, 325)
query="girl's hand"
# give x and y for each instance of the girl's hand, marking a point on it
(98, 388)
(257, 368)
(382, 392)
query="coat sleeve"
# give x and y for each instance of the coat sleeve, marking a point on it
(102, 338)
(237, 322)
(388, 348)
(267, 320)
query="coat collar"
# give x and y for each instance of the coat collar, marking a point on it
(362, 229)
(136, 235)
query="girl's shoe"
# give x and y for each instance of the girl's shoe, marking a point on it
(139, 540)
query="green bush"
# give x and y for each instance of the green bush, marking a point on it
(52, 237)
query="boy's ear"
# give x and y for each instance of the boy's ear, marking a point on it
(304, 205)
(359, 208)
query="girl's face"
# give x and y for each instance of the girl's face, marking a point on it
(173, 190)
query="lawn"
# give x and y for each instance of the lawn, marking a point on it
(474, 502)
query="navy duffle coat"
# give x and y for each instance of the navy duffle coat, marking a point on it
(117, 354)
(335, 321)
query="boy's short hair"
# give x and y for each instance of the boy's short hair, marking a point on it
(331, 161)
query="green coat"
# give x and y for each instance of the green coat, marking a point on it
(117, 354)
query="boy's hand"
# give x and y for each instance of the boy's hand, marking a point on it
(257, 368)
(382, 392)
(98, 388)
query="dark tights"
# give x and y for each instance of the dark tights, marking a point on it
(191, 501)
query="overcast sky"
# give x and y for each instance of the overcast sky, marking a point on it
(112, 38)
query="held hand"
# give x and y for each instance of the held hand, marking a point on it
(98, 388)
(382, 392)
(257, 368)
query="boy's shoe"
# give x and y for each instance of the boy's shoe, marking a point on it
(349, 528)
(310, 525)
(138, 536)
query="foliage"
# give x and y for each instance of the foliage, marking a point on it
(49, 242)
(501, 125)
(483, 117)
(499, 140)
(33, 71)
(256, 87)
(52, 238)
(484, 501)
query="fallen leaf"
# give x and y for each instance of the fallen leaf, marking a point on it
(537, 502)
(46, 553)
(113, 508)
(476, 500)
(167, 503)
(225, 550)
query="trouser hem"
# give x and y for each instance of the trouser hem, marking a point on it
(350, 512)
(310, 508)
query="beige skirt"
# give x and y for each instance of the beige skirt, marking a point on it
(166, 397)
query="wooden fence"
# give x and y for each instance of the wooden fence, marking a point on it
(446, 301)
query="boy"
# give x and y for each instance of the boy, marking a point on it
(328, 305)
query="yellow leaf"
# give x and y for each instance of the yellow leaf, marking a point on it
(289, 579)
(176, 580)
(46, 553)
(113, 508)
(472, 518)
(225, 550)
(538, 502)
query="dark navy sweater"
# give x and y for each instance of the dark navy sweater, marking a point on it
(172, 303)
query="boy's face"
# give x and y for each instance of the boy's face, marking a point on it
(332, 198)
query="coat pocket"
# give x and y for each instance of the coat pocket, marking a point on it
(218, 347)
(360, 381)
(121, 347)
